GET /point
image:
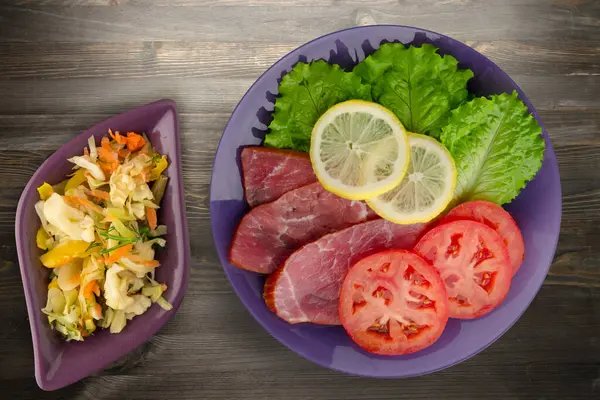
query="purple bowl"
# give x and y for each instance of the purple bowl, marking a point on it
(58, 363)
(537, 210)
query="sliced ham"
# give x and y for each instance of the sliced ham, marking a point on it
(269, 233)
(306, 288)
(269, 173)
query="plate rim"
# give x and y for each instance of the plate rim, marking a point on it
(550, 154)
(49, 384)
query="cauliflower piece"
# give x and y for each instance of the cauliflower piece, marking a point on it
(140, 305)
(142, 192)
(70, 221)
(118, 284)
(121, 185)
(122, 306)
(139, 163)
(138, 210)
(115, 289)
(127, 180)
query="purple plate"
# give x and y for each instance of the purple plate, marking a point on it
(58, 363)
(537, 211)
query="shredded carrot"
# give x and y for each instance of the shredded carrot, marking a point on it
(123, 153)
(80, 201)
(163, 286)
(135, 141)
(89, 289)
(101, 194)
(96, 289)
(118, 253)
(109, 163)
(108, 157)
(84, 333)
(105, 143)
(137, 259)
(152, 218)
(117, 137)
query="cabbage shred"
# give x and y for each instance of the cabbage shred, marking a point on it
(100, 233)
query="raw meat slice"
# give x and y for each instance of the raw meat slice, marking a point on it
(269, 233)
(269, 173)
(307, 287)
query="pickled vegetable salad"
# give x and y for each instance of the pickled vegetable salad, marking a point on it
(100, 229)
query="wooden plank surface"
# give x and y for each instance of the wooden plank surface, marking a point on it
(68, 64)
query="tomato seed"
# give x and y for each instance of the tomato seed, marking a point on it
(408, 274)
(481, 254)
(410, 330)
(454, 247)
(383, 329)
(385, 267)
(461, 300)
(357, 306)
(486, 282)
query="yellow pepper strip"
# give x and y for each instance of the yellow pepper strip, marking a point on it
(65, 252)
(76, 180)
(41, 238)
(45, 191)
(158, 169)
(53, 284)
(60, 187)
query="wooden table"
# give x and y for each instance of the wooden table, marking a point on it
(68, 64)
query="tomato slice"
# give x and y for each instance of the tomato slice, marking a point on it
(474, 264)
(393, 303)
(496, 218)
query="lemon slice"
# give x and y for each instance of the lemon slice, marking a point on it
(427, 187)
(359, 150)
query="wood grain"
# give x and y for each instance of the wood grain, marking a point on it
(127, 60)
(510, 20)
(68, 64)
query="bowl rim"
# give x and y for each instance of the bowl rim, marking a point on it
(224, 260)
(35, 327)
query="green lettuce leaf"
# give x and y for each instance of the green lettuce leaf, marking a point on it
(305, 93)
(496, 145)
(417, 84)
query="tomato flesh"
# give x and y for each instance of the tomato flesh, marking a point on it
(496, 218)
(473, 263)
(393, 303)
